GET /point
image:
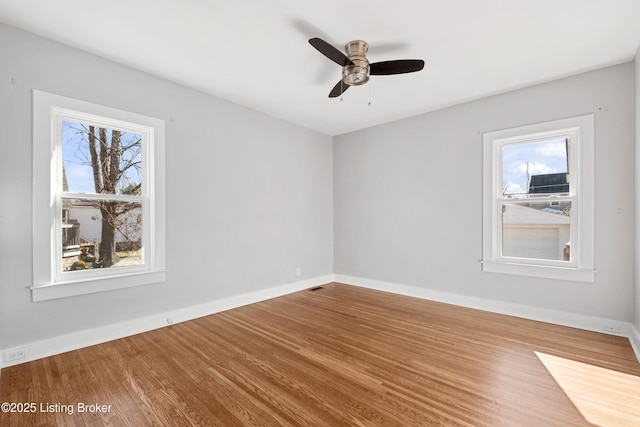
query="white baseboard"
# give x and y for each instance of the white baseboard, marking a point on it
(574, 320)
(76, 340)
(634, 339)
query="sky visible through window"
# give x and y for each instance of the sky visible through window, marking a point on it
(76, 158)
(521, 161)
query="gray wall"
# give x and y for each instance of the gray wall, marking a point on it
(636, 298)
(249, 197)
(408, 205)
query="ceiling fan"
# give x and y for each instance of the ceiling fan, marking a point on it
(356, 69)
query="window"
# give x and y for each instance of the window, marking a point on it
(538, 200)
(98, 198)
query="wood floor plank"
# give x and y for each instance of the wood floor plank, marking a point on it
(340, 355)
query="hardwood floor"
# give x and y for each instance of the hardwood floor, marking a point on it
(340, 355)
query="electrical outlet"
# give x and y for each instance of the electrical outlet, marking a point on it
(298, 271)
(612, 328)
(15, 354)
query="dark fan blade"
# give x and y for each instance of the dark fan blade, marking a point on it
(330, 52)
(338, 89)
(400, 66)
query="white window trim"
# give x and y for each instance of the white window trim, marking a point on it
(48, 283)
(582, 143)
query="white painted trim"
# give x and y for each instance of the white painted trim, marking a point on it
(96, 284)
(634, 339)
(49, 281)
(76, 340)
(580, 133)
(573, 320)
(542, 271)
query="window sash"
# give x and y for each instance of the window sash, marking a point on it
(59, 115)
(573, 232)
(70, 276)
(571, 135)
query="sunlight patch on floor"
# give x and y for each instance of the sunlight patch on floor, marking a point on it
(603, 396)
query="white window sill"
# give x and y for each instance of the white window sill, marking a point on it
(542, 271)
(95, 284)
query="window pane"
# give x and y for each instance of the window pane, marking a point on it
(100, 160)
(537, 230)
(100, 234)
(535, 168)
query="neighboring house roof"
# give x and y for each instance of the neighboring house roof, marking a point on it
(517, 214)
(549, 183)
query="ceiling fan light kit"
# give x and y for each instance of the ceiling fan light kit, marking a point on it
(356, 68)
(358, 73)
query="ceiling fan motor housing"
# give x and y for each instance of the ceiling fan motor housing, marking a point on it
(358, 73)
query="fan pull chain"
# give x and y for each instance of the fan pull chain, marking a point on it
(369, 94)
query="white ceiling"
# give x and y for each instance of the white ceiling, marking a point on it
(256, 52)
